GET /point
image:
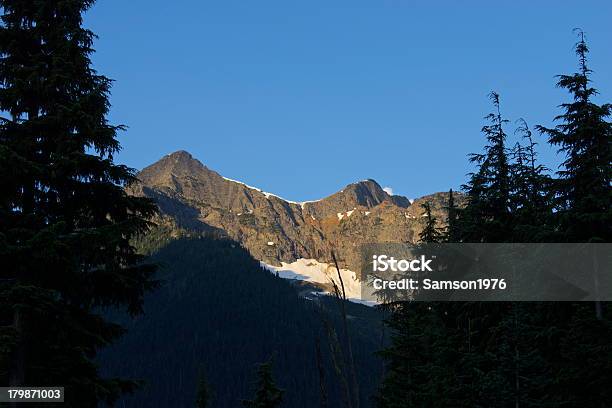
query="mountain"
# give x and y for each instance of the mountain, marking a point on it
(278, 231)
(218, 313)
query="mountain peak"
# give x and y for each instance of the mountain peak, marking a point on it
(180, 161)
(367, 183)
(181, 155)
(181, 158)
(178, 164)
(366, 188)
(371, 191)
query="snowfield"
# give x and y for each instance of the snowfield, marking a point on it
(311, 270)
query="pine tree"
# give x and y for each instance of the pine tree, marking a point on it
(531, 192)
(472, 218)
(65, 218)
(268, 395)
(584, 137)
(430, 233)
(426, 363)
(583, 213)
(498, 160)
(486, 217)
(452, 229)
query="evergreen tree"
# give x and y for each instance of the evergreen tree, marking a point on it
(583, 213)
(452, 228)
(472, 218)
(430, 233)
(65, 218)
(584, 137)
(422, 359)
(268, 395)
(531, 192)
(486, 217)
(582, 356)
(519, 170)
(497, 158)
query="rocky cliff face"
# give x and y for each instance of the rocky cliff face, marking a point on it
(275, 230)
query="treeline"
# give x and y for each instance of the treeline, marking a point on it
(517, 354)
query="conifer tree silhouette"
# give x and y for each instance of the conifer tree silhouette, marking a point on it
(65, 218)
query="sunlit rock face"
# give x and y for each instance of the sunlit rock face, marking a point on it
(276, 230)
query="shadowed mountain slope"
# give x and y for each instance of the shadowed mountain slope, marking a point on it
(218, 314)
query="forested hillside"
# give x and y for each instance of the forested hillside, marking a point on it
(217, 315)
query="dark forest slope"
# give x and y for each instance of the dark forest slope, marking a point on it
(219, 312)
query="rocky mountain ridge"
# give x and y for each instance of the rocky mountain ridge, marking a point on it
(275, 230)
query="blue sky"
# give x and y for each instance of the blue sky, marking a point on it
(302, 98)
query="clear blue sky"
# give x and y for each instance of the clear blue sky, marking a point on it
(302, 98)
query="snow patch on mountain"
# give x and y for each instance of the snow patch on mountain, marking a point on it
(345, 214)
(268, 195)
(311, 270)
